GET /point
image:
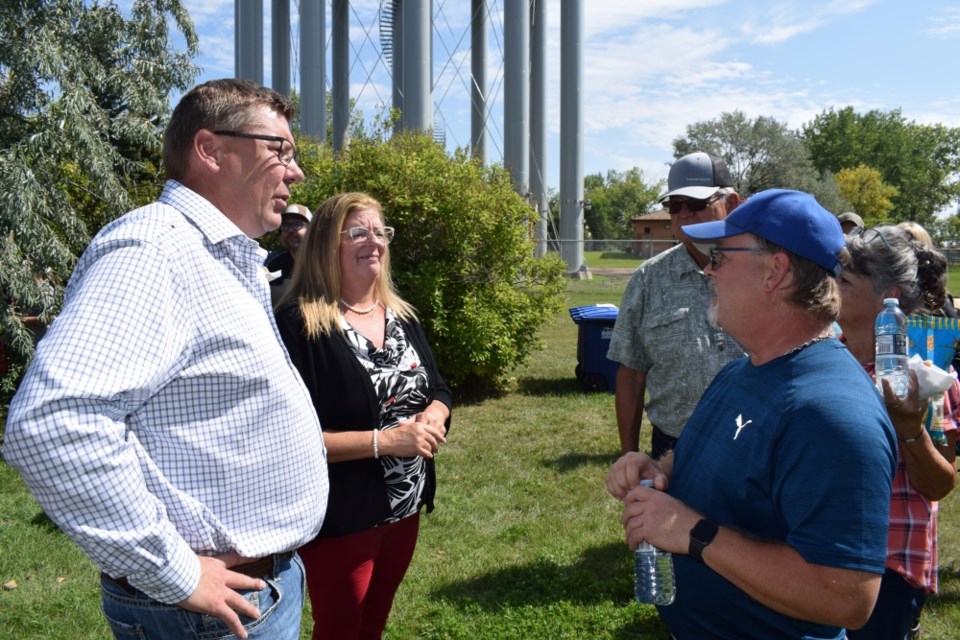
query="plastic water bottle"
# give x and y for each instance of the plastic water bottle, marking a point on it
(935, 419)
(891, 336)
(653, 572)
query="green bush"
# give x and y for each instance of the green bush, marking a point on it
(463, 254)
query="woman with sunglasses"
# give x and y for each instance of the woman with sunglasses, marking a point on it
(383, 407)
(886, 262)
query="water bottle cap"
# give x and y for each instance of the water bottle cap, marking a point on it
(895, 301)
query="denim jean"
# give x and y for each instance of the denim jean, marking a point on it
(842, 636)
(894, 612)
(133, 615)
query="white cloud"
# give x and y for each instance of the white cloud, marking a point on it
(772, 33)
(652, 50)
(214, 22)
(206, 13)
(944, 111)
(602, 17)
(786, 20)
(947, 24)
(652, 67)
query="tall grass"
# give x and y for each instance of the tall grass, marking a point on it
(524, 543)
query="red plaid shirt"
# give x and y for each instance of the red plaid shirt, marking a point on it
(912, 537)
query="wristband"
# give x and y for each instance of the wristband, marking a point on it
(701, 535)
(915, 438)
(376, 449)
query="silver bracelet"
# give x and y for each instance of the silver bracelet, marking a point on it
(376, 448)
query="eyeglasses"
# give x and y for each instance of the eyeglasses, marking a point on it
(715, 253)
(693, 204)
(286, 154)
(869, 235)
(361, 234)
(293, 225)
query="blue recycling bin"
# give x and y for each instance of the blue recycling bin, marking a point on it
(594, 371)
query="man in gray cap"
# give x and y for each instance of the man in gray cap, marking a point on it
(279, 263)
(850, 222)
(662, 338)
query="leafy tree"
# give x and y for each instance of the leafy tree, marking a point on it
(920, 161)
(865, 189)
(946, 230)
(762, 154)
(84, 92)
(616, 200)
(463, 253)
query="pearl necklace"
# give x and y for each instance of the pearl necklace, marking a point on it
(360, 312)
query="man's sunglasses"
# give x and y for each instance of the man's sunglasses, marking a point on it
(693, 205)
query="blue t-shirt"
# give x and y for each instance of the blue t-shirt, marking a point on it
(798, 450)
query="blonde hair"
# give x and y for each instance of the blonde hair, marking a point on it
(315, 281)
(917, 232)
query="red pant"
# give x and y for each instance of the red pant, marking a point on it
(352, 579)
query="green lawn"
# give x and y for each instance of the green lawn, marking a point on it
(618, 260)
(524, 543)
(611, 259)
(953, 281)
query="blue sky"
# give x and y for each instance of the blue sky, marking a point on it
(651, 67)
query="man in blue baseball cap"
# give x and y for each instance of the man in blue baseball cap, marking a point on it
(773, 502)
(791, 219)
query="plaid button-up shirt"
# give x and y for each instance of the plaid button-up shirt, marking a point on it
(161, 417)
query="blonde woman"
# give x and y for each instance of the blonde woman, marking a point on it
(383, 407)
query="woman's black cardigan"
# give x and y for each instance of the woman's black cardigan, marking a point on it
(346, 400)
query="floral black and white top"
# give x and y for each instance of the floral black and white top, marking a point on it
(402, 386)
(355, 387)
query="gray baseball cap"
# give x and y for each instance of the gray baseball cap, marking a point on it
(298, 210)
(698, 175)
(850, 216)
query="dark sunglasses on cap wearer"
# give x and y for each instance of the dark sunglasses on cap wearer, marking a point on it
(693, 205)
(293, 225)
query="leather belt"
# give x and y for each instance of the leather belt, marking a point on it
(261, 566)
(255, 569)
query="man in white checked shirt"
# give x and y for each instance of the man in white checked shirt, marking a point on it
(161, 424)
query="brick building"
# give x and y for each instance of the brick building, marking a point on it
(652, 234)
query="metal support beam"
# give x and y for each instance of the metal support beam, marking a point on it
(341, 72)
(280, 46)
(479, 18)
(417, 65)
(313, 69)
(248, 40)
(571, 133)
(538, 120)
(397, 30)
(516, 92)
